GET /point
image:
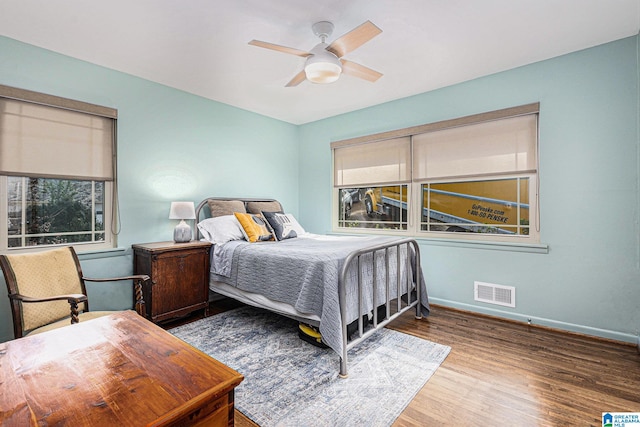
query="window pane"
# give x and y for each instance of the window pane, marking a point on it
(14, 205)
(99, 206)
(489, 206)
(373, 207)
(54, 211)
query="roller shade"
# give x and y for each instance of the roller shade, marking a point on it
(373, 163)
(41, 141)
(496, 147)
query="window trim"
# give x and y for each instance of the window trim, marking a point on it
(57, 101)
(522, 110)
(532, 240)
(111, 217)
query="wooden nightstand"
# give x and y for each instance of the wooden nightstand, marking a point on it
(179, 277)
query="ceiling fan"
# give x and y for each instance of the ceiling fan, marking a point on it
(324, 62)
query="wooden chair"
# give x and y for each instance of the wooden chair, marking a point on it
(47, 290)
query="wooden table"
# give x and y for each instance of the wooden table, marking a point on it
(118, 370)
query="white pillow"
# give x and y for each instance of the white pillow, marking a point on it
(295, 225)
(221, 229)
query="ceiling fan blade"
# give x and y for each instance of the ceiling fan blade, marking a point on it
(297, 79)
(277, 47)
(360, 71)
(354, 39)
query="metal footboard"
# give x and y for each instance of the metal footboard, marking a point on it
(356, 257)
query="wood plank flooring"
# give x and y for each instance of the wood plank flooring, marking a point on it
(507, 373)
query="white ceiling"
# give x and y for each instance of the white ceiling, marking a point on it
(200, 46)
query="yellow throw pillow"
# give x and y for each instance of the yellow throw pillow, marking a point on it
(254, 226)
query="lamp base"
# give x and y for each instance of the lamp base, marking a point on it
(182, 233)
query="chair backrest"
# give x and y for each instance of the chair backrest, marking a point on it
(38, 275)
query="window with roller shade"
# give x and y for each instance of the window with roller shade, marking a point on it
(368, 174)
(474, 178)
(57, 171)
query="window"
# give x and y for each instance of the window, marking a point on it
(57, 171)
(372, 180)
(492, 206)
(470, 178)
(382, 208)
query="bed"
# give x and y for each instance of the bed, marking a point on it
(346, 286)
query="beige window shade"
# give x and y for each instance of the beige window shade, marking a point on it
(374, 163)
(490, 148)
(41, 141)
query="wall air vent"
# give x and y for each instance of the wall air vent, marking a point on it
(494, 294)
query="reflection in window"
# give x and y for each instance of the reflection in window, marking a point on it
(382, 208)
(489, 206)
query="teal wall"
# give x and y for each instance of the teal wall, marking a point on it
(176, 146)
(171, 146)
(588, 281)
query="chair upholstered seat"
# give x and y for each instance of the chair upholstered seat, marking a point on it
(47, 290)
(43, 274)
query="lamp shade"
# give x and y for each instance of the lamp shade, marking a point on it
(322, 66)
(182, 210)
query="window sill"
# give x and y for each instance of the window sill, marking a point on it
(100, 253)
(88, 253)
(538, 248)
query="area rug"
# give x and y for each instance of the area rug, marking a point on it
(289, 382)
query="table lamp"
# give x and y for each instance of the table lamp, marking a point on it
(182, 211)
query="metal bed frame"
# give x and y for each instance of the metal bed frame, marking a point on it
(356, 257)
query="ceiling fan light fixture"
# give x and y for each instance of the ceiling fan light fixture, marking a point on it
(322, 72)
(324, 63)
(322, 66)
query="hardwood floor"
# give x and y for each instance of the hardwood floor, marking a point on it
(507, 373)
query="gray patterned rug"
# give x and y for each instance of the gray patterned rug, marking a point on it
(289, 382)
